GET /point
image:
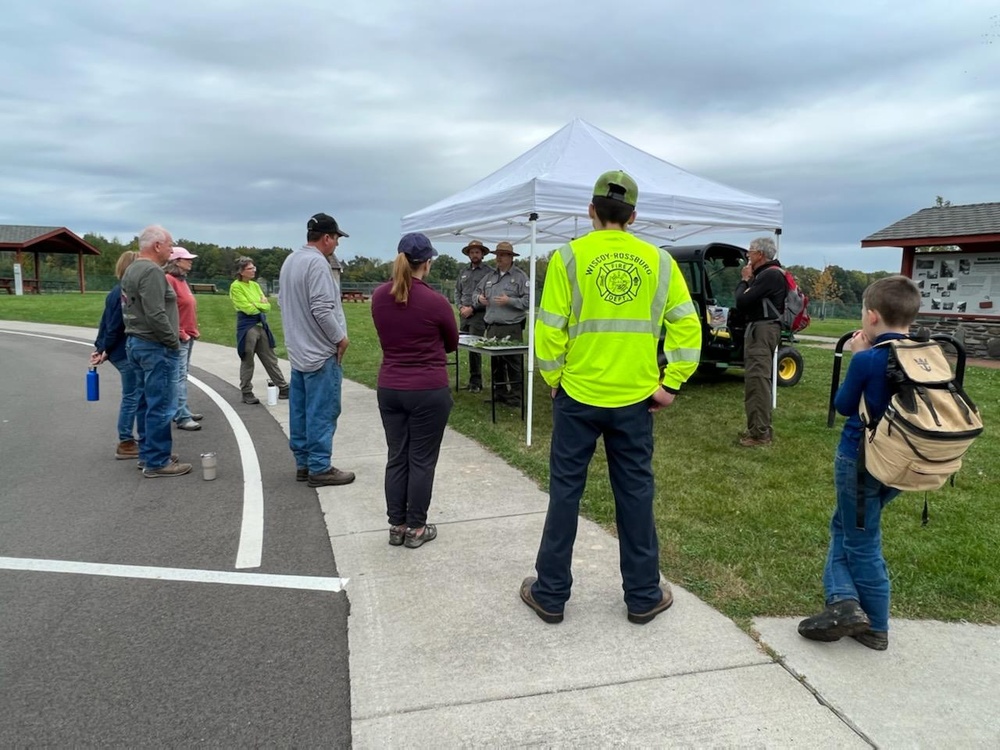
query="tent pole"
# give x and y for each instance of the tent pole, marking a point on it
(533, 220)
(774, 364)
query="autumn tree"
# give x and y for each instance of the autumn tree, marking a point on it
(826, 289)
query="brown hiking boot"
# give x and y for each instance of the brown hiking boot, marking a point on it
(753, 442)
(331, 477)
(127, 449)
(552, 618)
(666, 599)
(173, 469)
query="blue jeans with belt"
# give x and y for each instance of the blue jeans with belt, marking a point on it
(855, 568)
(313, 410)
(628, 443)
(156, 367)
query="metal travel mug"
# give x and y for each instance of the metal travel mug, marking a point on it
(208, 465)
(272, 394)
(93, 385)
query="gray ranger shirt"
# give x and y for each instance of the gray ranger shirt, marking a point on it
(513, 283)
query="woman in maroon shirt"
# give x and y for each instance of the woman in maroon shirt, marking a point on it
(416, 328)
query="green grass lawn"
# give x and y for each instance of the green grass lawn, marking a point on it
(746, 530)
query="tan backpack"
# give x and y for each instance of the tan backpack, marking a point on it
(929, 424)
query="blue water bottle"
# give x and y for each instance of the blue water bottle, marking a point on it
(93, 385)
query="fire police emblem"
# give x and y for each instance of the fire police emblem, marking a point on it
(618, 282)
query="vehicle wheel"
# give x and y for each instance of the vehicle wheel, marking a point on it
(790, 366)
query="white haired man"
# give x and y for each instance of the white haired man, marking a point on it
(149, 307)
(760, 297)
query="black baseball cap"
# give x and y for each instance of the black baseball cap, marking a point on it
(325, 224)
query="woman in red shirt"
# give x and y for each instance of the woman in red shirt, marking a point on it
(177, 269)
(416, 328)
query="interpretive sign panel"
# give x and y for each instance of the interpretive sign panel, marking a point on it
(958, 283)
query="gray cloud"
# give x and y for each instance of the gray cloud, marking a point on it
(233, 122)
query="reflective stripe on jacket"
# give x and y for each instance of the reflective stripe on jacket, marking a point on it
(616, 321)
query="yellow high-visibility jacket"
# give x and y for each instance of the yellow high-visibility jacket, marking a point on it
(616, 321)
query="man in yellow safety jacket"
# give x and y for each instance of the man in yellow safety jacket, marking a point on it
(617, 335)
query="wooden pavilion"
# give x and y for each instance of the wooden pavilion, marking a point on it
(953, 253)
(38, 241)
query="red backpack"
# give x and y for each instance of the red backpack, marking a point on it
(796, 315)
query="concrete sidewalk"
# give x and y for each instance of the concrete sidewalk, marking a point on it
(444, 653)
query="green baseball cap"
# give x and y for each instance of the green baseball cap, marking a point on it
(618, 186)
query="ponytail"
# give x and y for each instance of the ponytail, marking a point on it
(402, 277)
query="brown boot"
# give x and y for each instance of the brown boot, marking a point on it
(127, 449)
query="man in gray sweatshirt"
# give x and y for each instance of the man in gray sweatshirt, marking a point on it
(149, 307)
(316, 338)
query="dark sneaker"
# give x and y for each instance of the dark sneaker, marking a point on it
(666, 599)
(552, 618)
(301, 475)
(140, 464)
(414, 540)
(189, 424)
(283, 394)
(127, 449)
(877, 640)
(330, 478)
(249, 398)
(397, 535)
(173, 469)
(837, 620)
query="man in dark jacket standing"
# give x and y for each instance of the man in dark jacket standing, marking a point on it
(760, 297)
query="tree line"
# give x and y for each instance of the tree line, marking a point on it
(216, 264)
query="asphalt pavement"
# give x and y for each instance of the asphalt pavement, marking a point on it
(442, 652)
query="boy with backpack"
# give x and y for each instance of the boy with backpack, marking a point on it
(855, 578)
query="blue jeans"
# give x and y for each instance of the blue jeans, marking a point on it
(181, 411)
(313, 409)
(628, 444)
(156, 369)
(130, 399)
(855, 568)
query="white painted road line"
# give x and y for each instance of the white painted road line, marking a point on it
(310, 583)
(248, 554)
(250, 550)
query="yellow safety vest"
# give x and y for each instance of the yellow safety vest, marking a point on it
(616, 321)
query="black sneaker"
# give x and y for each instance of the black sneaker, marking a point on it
(877, 640)
(413, 540)
(666, 599)
(249, 398)
(552, 618)
(283, 393)
(836, 621)
(330, 478)
(301, 475)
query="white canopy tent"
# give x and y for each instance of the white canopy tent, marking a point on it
(543, 195)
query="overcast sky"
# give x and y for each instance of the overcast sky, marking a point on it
(233, 122)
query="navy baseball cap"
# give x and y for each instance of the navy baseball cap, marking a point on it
(417, 247)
